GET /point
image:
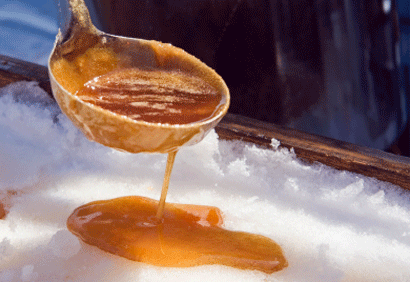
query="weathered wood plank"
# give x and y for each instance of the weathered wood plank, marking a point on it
(311, 148)
(12, 70)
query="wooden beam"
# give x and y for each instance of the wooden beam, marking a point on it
(311, 148)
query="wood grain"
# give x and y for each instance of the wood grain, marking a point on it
(311, 148)
(12, 70)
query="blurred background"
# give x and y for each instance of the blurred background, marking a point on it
(336, 68)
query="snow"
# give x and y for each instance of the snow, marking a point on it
(332, 225)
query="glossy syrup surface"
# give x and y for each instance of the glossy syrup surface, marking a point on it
(158, 96)
(187, 235)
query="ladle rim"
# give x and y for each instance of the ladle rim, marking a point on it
(219, 115)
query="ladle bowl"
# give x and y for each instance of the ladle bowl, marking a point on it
(98, 53)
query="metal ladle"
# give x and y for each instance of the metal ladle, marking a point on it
(75, 37)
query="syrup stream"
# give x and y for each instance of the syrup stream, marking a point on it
(165, 185)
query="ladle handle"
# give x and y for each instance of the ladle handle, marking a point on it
(64, 16)
(73, 14)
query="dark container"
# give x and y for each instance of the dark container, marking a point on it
(328, 67)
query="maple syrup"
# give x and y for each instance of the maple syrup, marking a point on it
(5, 202)
(187, 235)
(2, 211)
(158, 96)
(73, 71)
(173, 235)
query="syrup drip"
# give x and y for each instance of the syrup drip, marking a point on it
(165, 184)
(5, 202)
(2, 211)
